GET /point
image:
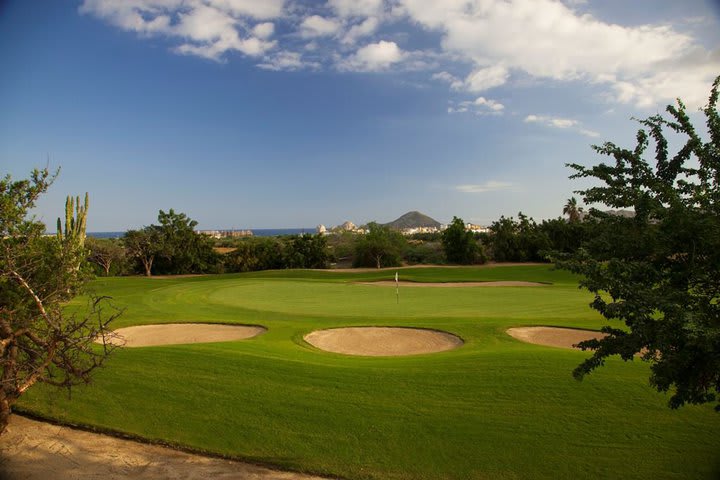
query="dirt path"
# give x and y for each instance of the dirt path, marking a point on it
(503, 283)
(383, 341)
(32, 450)
(553, 336)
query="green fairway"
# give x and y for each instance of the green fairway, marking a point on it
(494, 408)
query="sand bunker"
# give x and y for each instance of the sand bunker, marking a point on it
(382, 341)
(553, 336)
(504, 283)
(182, 333)
(32, 450)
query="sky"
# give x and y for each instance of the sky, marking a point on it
(287, 113)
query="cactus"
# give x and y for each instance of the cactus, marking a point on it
(75, 221)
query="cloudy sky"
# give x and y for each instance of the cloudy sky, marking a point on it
(286, 113)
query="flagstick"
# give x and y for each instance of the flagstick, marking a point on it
(397, 288)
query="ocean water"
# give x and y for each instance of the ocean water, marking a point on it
(258, 232)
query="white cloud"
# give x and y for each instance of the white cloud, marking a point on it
(264, 9)
(374, 57)
(317, 26)
(485, 43)
(489, 186)
(208, 28)
(561, 123)
(455, 83)
(490, 104)
(547, 39)
(486, 78)
(264, 30)
(286, 60)
(359, 8)
(367, 27)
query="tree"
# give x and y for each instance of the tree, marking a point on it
(143, 245)
(459, 244)
(573, 212)
(518, 241)
(39, 342)
(182, 250)
(105, 252)
(659, 271)
(380, 247)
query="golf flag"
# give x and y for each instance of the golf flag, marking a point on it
(397, 287)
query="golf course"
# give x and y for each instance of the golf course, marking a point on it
(488, 406)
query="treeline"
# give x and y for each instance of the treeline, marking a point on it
(172, 247)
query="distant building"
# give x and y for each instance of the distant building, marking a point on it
(348, 226)
(321, 230)
(476, 228)
(226, 233)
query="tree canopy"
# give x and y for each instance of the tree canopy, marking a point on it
(658, 271)
(459, 244)
(380, 247)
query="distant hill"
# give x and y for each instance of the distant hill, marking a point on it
(413, 220)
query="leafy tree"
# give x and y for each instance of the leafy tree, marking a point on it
(105, 252)
(39, 342)
(182, 249)
(143, 245)
(517, 241)
(459, 244)
(306, 251)
(380, 247)
(572, 210)
(659, 271)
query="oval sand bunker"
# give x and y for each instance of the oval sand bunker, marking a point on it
(553, 336)
(183, 333)
(382, 341)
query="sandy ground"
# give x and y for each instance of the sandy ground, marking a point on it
(508, 283)
(382, 341)
(182, 333)
(553, 336)
(32, 450)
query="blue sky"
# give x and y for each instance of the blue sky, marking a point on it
(249, 114)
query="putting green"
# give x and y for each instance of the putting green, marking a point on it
(495, 408)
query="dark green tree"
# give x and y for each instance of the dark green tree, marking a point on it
(39, 341)
(380, 247)
(459, 244)
(143, 245)
(306, 251)
(572, 210)
(182, 249)
(517, 241)
(659, 271)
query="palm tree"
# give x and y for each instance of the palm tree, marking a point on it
(572, 210)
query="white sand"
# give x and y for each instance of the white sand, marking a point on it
(382, 341)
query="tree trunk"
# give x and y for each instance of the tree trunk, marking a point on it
(377, 260)
(147, 263)
(106, 266)
(5, 410)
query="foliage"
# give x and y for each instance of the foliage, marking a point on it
(659, 271)
(38, 274)
(459, 244)
(424, 252)
(271, 253)
(306, 251)
(182, 250)
(517, 241)
(106, 253)
(572, 210)
(143, 245)
(380, 247)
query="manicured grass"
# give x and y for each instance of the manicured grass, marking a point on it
(495, 408)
